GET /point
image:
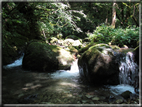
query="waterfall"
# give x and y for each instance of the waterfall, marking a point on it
(73, 72)
(128, 75)
(129, 70)
(16, 63)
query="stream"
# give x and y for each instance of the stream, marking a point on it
(21, 86)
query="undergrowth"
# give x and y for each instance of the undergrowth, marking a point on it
(115, 36)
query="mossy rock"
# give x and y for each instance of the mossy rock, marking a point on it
(53, 40)
(83, 49)
(71, 42)
(86, 40)
(43, 57)
(72, 37)
(102, 45)
(97, 65)
(73, 50)
(115, 47)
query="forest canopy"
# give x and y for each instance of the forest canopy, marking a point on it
(42, 20)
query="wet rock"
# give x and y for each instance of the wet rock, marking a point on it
(46, 103)
(78, 102)
(28, 99)
(134, 97)
(111, 99)
(102, 98)
(83, 49)
(53, 40)
(72, 37)
(71, 42)
(43, 57)
(89, 96)
(98, 65)
(119, 101)
(96, 98)
(80, 96)
(84, 101)
(126, 94)
(136, 52)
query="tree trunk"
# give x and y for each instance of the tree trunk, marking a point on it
(113, 15)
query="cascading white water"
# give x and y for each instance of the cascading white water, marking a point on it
(128, 75)
(128, 69)
(74, 71)
(119, 89)
(16, 63)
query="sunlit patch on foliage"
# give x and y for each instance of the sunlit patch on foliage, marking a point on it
(117, 36)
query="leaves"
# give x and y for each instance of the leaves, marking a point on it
(118, 36)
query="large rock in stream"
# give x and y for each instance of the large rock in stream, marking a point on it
(43, 57)
(98, 65)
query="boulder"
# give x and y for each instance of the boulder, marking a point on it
(53, 40)
(72, 37)
(71, 42)
(98, 66)
(43, 57)
(83, 49)
(126, 94)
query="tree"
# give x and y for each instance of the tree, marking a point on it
(113, 14)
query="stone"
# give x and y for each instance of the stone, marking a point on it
(71, 42)
(119, 101)
(126, 94)
(96, 98)
(43, 57)
(97, 65)
(89, 96)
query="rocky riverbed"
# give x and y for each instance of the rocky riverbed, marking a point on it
(62, 87)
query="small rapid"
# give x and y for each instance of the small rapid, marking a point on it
(16, 63)
(119, 89)
(128, 75)
(128, 69)
(73, 72)
(128, 72)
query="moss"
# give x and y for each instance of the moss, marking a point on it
(82, 50)
(115, 47)
(47, 57)
(96, 66)
(102, 45)
(73, 50)
(54, 48)
(72, 37)
(53, 40)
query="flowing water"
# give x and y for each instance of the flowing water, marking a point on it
(16, 63)
(129, 71)
(63, 86)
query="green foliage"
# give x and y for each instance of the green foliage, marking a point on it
(102, 34)
(57, 18)
(37, 20)
(117, 36)
(127, 36)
